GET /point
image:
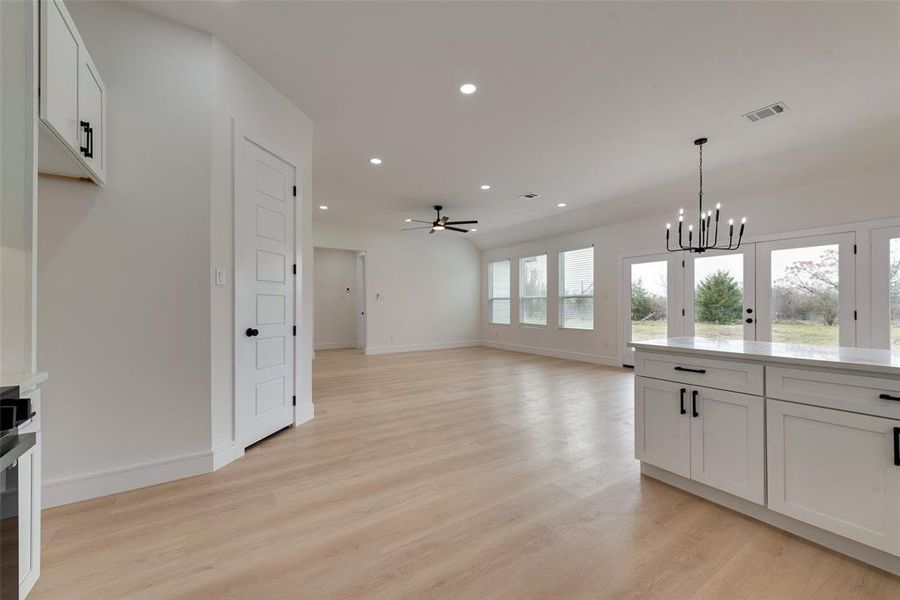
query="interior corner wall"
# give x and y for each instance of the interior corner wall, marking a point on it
(845, 198)
(335, 311)
(241, 95)
(422, 292)
(123, 270)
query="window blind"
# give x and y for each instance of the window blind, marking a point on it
(533, 290)
(576, 289)
(498, 292)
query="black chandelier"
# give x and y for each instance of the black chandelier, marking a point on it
(708, 232)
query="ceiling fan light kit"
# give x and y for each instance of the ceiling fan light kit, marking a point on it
(440, 224)
(707, 229)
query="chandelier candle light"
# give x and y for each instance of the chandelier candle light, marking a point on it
(708, 238)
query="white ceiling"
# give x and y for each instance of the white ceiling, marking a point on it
(583, 103)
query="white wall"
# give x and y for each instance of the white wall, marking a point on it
(335, 298)
(422, 291)
(135, 333)
(844, 198)
(123, 270)
(241, 94)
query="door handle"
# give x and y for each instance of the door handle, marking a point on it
(749, 320)
(252, 332)
(888, 397)
(694, 404)
(897, 446)
(86, 128)
(683, 411)
(701, 371)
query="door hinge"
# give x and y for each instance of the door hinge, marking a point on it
(854, 248)
(294, 401)
(682, 312)
(682, 264)
(295, 330)
(854, 315)
(295, 269)
(295, 191)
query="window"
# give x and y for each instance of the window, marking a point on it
(576, 289)
(533, 290)
(719, 296)
(498, 292)
(649, 300)
(886, 288)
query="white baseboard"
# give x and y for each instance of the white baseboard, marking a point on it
(334, 345)
(226, 454)
(421, 347)
(304, 412)
(599, 359)
(94, 485)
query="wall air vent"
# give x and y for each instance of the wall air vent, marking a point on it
(766, 111)
(528, 196)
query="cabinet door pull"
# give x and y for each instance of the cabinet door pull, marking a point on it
(888, 397)
(90, 152)
(683, 411)
(86, 128)
(694, 404)
(897, 446)
(689, 370)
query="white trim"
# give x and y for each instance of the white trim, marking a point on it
(840, 544)
(304, 412)
(335, 345)
(226, 454)
(113, 481)
(598, 359)
(421, 347)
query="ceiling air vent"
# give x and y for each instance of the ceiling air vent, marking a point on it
(528, 196)
(766, 111)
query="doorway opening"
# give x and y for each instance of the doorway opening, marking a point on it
(340, 299)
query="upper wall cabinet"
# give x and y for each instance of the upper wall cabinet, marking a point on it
(72, 100)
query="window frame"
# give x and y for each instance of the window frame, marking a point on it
(491, 297)
(522, 297)
(561, 298)
(880, 257)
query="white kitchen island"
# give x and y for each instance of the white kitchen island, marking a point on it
(805, 438)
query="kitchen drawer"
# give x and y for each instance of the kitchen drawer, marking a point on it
(727, 375)
(856, 393)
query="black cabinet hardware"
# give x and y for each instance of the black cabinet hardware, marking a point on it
(749, 320)
(749, 311)
(889, 397)
(694, 403)
(252, 332)
(88, 148)
(689, 370)
(683, 411)
(897, 446)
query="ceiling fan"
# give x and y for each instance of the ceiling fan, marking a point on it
(441, 223)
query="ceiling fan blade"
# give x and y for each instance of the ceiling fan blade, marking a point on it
(432, 231)
(461, 223)
(456, 229)
(419, 221)
(411, 228)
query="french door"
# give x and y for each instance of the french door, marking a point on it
(886, 288)
(720, 294)
(651, 299)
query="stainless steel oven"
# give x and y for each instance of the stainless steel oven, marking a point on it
(12, 446)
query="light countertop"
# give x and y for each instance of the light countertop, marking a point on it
(872, 360)
(23, 380)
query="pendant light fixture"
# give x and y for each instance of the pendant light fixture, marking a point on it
(707, 228)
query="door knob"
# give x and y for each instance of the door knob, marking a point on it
(252, 332)
(749, 320)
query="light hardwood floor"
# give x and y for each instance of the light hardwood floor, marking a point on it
(471, 473)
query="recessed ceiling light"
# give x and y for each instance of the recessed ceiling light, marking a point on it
(408, 220)
(485, 186)
(375, 160)
(468, 88)
(561, 204)
(323, 207)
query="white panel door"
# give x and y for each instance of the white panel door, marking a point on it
(836, 470)
(728, 442)
(264, 291)
(91, 98)
(662, 427)
(59, 72)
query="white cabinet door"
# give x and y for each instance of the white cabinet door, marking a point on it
(728, 442)
(836, 470)
(662, 426)
(29, 518)
(59, 72)
(91, 98)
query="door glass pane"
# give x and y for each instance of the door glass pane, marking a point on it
(805, 295)
(894, 291)
(648, 300)
(719, 297)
